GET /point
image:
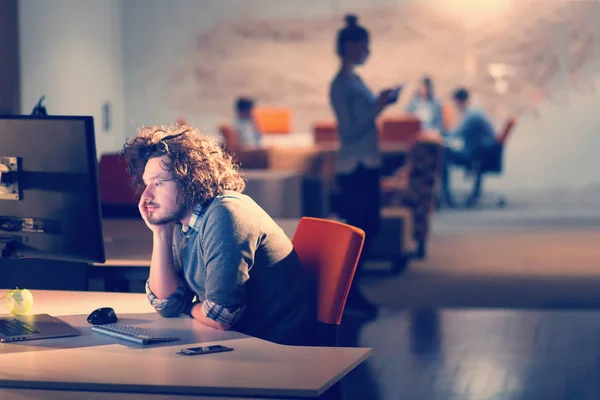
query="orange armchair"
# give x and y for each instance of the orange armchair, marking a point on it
(330, 250)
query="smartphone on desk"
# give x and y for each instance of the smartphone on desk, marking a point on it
(196, 351)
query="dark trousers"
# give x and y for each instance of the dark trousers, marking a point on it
(463, 159)
(360, 202)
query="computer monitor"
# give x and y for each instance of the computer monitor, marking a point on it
(49, 198)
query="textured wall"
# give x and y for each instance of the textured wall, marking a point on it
(535, 59)
(289, 61)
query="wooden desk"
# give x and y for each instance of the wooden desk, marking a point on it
(38, 394)
(94, 362)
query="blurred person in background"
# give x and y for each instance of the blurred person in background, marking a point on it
(246, 130)
(359, 159)
(476, 134)
(426, 107)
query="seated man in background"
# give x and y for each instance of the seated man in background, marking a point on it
(245, 127)
(477, 135)
(215, 244)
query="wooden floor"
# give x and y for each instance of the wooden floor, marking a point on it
(477, 354)
(506, 306)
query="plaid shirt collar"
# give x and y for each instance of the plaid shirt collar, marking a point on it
(194, 222)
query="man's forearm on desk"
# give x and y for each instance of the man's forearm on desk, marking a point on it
(172, 307)
(197, 313)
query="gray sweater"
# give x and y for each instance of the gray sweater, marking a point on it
(236, 255)
(355, 108)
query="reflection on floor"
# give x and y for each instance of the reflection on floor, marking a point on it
(503, 308)
(477, 354)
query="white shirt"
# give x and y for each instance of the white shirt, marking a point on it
(248, 136)
(424, 111)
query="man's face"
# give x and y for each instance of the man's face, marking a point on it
(422, 90)
(244, 114)
(162, 197)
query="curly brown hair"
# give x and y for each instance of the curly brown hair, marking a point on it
(199, 164)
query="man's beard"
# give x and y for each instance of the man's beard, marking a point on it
(173, 216)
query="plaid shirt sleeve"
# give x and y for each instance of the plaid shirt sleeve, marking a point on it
(224, 315)
(177, 303)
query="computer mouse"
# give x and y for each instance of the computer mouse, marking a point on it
(101, 316)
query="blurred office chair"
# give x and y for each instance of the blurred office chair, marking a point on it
(401, 130)
(491, 161)
(40, 109)
(330, 250)
(273, 120)
(117, 196)
(397, 136)
(246, 158)
(229, 137)
(325, 133)
(449, 117)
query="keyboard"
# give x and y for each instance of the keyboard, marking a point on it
(14, 327)
(133, 334)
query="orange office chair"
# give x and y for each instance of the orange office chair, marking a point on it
(273, 120)
(330, 251)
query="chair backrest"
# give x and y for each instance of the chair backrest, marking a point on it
(273, 119)
(229, 137)
(493, 159)
(115, 182)
(325, 132)
(508, 128)
(330, 250)
(404, 130)
(448, 116)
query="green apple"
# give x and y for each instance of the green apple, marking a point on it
(19, 301)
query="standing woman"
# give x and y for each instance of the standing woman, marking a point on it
(359, 159)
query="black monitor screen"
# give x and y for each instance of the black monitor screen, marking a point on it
(49, 200)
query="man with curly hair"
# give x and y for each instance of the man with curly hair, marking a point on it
(217, 255)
